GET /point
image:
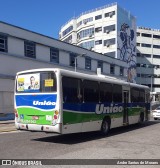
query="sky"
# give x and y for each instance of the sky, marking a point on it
(47, 16)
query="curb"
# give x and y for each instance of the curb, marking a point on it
(13, 130)
(7, 122)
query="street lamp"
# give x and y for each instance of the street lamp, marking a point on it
(75, 59)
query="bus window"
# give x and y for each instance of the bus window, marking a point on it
(134, 95)
(48, 82)
(71, 90)
(105, 92)
(117, 93)
(36, 82)
(141, 95)
(90, 91)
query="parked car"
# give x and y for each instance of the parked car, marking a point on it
(156, 113)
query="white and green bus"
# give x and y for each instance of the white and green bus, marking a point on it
(61, 101)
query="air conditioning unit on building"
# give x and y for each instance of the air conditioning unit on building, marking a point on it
(91, 48)
(107, 45)
(110, 14)
(107, 31)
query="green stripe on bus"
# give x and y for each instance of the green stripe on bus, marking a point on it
(74, 117)
(29, 113)
(134, 111)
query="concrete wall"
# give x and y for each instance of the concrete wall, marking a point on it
(14, 60)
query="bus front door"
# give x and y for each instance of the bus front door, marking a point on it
(125, 111)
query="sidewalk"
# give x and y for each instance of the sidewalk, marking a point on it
(7, 126)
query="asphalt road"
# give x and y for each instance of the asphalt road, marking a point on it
(131, 142)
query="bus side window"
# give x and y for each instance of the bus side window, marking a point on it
(72, 92)
(141, 95)
(117, 93)
(90, 91)
(134, 95)
(105, 92)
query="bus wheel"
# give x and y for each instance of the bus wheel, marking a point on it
(105, 127)
(141, 117)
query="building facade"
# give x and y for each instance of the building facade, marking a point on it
(109, 30)
(112, 31)
(148, 58)
(21, 49)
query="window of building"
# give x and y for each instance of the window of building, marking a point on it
(156, 46)
(106, 92)
(109, 42)
(117, 93)
(110, 54)
(3, 43)
(109, 14)
(72, 90)
(72, 59)
(98, 29)
(98, 42)
(79, 23)
(138, 44)
(98, 17)
(54, 55)
(146, 35)
(100, 65)
(138, 54)
(156, 56)
(30, 49)
(121, 71)
(88, 45)
(112, 68)
(85, 21)
(68, 39)
(69, 29)
(138, 34)
(90, 91)
(85, 33)
(88, 63)
(143, 55)
(156, 36)
(108, 29)
(138, 75)
(146, 55)
(146, 45)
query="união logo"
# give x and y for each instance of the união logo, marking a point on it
(101, 109)
(43, 103)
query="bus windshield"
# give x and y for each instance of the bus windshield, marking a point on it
(36, 82)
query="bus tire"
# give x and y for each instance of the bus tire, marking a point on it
(155, 118)
(105, 127)
(141, 118)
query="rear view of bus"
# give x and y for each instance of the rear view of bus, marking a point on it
(36, 105)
